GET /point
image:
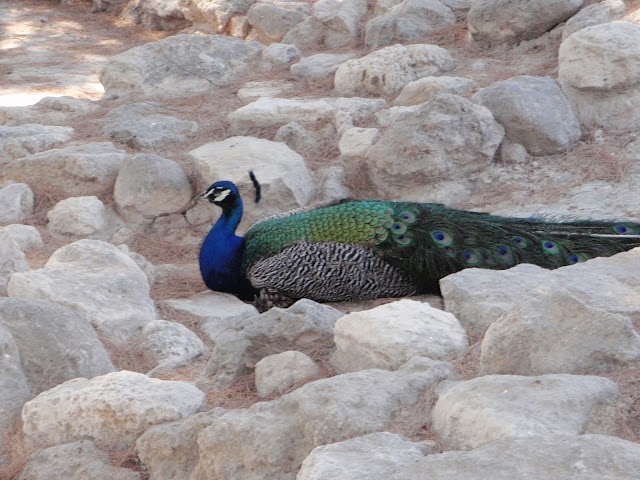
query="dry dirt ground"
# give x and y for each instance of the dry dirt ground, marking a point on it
(49, 49)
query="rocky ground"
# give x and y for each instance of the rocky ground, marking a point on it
(117, 363)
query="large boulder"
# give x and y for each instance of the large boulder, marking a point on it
(534, 113)
(489, 408)
(596, 14)
(552, 457)
(82, 217)
(83, 169)
(98, 281)
(369, 457)
(599, 70)
(81, 460)
(511, 21)
(271, 22)
(56, 344)
(27, 139)
(215, 14)
(555, 332)
(142, 126)
(183, 65)
(408, 20)
(447, 138)
(389, 335)
(333, 24)
(149, 185)
(113, 408)
(478, 297)
(16, 202)
(14, 385)
(48, 111)
(388, 70)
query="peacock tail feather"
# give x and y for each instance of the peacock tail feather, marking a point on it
(430, 241)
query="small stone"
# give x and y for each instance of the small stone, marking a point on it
(277, 373)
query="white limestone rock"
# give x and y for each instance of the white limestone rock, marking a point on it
(170, 451)
(478, 297)
(391, 115)
(595, 14)
(333, 24)
(143, 126)
(552, 457)
(298, 139)
(493, 407)
(599, 71)
(310, 33)
(82, 217)
(446, 138)
(513, 153)
(98, 281)
(48, 111)
(216, 14)
(280, 372)
(12, 260)
(557, 333)
(14, 386)
(425, 89)
(216, 310)
(212, 61)
(271, 22)
(356, 141)
(342, 20)
(273, 112)
(56, 344)
(28, 139)
(26, 237)
(509, 21)
(145, 265)
(369, 457)
(83, 169)
(387, 336)
(279, 54)
(319, 66)
(388, 70)
(271, 439)
(79, 460)
(239, 26)
(148, 185)
(16, 202)
(534, 113)
(241, 342)
(156, 14)
(170, 343)
(113, 408)
(285, 178)
(252, 91)
(407, 21)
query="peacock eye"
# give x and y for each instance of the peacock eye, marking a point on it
(220, 194)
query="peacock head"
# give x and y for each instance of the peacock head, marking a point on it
(223, 193)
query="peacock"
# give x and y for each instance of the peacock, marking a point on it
(366, 249)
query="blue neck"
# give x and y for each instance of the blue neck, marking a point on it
(221, 255)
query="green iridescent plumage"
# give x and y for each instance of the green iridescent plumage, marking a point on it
(430, 241)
